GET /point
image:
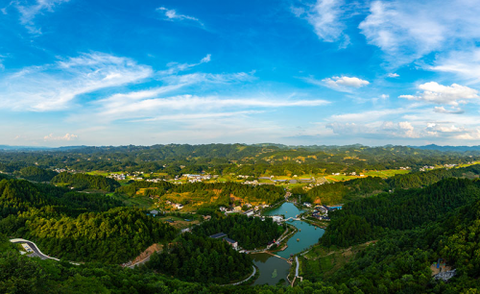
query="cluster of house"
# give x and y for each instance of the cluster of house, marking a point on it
(118, 177)
(321, 211)
(452, 165)
(156, 180)
(225, 238)
(405, 168)
(238, 209)
(348, 174)
(192, 178)
(61, 170)
(426, 167)
(174, 205)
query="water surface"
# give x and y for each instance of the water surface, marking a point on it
(273, 269)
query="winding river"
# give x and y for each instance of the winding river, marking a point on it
(273, 269)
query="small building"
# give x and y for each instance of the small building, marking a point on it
(237, 208)
(277, 218)
(154, 212)
(231, 242)
(218, 235)
(335, 207)
(249, 213)
(307, 204)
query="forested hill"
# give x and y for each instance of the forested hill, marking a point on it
(249, 232)
(77, 226)
(364, 219)
(84, 181)
(400, 261)
(342, 192)
(243, 159)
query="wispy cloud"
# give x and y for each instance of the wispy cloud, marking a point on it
(114, 109)
(66, 137)
(441, 109)
(172, 15)
(464, 64)
(407, 29)
(54, 86)
(29, 12)
(393, 75)
(175, 67)
(326, 18)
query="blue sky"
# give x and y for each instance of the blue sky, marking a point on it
(296, 72)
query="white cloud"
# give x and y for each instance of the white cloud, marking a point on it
(171, 14)
(175, 67)
(408, 29)
(113, 109)
(54, 86)
(441, 109)
(326, 18)
(469, 135)
(393, 75)
(29, 12)
(343, 83)
(439, 94)
(197, 116)
(67, 137)
(464, 64)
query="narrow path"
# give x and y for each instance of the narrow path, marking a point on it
(298, 264)
(243, 281)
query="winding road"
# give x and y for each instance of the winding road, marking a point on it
(36, 251)
(243, 281)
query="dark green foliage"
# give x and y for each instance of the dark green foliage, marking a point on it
(249, 232)
(344, 191)
(202, 259)
(404, 209)
(114, 236)
(347, 231)
(132, 188)
(422, 179)
(37, 174)
(84, 181)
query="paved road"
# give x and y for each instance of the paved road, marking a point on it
(296, 269)
(36, 251)
(238, 283)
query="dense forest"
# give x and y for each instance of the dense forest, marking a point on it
(114, 236)
(404, 209)
(253, 160)
(202, 259)
(34, 173)
(84, 181)
(341, 192)
(409, 221)
(77, 226)
(249, 232)
(400, 261)
(223, 191)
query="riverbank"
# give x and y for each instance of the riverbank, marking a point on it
(301, 235)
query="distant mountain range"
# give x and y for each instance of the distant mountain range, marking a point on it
(37, 148)
(448, 148)
(281, 146)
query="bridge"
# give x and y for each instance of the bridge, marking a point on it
(277, 256)
(291, 218)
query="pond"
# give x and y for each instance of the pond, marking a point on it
(307, 235)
